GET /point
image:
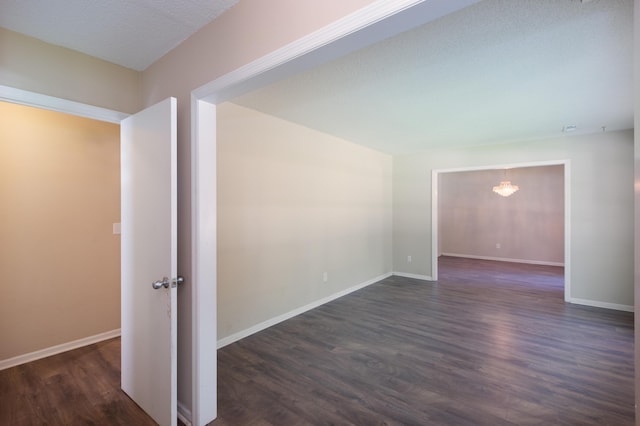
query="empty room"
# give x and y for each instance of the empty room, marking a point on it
(376, 212)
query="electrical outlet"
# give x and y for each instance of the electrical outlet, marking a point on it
(325, 277)
(497, 245)
(408, 259)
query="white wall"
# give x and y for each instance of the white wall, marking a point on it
(601, 206)
(528, 225)
(294, 203)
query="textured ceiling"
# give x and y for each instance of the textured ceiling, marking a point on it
(497, 71)
(131, 33)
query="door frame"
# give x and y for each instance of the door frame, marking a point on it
(373, 23)
(38, 100)
(567, 211)
(52, 103)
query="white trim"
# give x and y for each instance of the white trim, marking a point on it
(352, 32)
(184, 414)
(567, 211)
(505, 259)
(414, 276)
(567, 229)
(280, 318)
(37, 100)
(203, 262)
(503, 166)
(604, 305)
(435, 239)
(216, 91)
(57, 349)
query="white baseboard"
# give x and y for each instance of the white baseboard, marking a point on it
(184, 414)
(54, 350)
(273, 321)
(605, 305)
(505, 259)
(414, 276)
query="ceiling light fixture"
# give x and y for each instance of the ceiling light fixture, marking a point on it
(569, 128)
(506, 188)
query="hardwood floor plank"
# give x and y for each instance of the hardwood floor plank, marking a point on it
(79, 387)
(490, 343)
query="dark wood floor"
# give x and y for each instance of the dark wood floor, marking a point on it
(490, 343)
(79, 387)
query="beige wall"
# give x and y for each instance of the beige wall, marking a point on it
(528, 225)
(601, 206)
(30, 64)
(294, 203)
(60, 262)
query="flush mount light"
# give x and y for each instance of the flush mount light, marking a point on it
(569, 128)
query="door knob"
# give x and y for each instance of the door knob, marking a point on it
(159, 284)
(165, 282)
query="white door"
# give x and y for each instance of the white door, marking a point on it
(149, 245)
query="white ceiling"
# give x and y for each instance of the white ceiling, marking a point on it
(131, 33)
(496, 71)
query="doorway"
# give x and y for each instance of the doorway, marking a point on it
(60, 256)
(471, 221)
(62, 191)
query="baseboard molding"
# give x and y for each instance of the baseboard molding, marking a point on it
(54, 350)
(605, 305)
(184, 414)
(505, 259)
(273, 321)
(414, 276)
